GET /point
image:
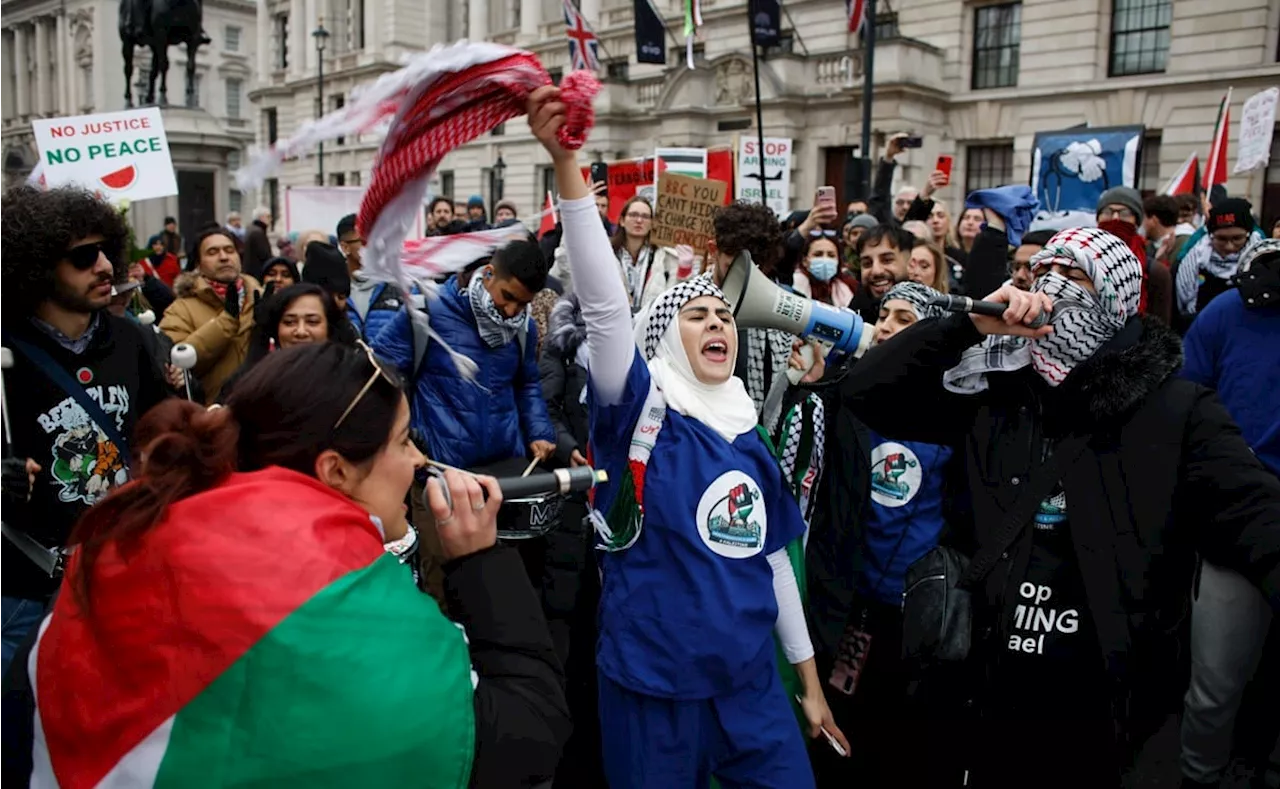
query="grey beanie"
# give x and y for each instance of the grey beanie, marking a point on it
(863, 220)
(1125, 196)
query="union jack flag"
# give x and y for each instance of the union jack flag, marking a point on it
(583, 46)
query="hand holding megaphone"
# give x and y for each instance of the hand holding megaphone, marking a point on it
(757, 302)
(184, 357)
(1008, 311)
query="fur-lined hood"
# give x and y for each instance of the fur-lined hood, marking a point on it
(566, 329)
(1112, 383)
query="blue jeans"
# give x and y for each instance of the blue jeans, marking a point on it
(19, 615)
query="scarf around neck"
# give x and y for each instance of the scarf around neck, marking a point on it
(495, 328)
(1082, 321)
(1204, 259)
(635, 272)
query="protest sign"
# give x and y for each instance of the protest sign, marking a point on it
(777, 172)
(628, 177)
(1257, 122)
(684, 210)
(119, 155)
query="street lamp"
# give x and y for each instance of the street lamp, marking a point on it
(322, 38)
(499, 177)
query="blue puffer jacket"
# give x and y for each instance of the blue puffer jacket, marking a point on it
(378, 302)
(469, 423)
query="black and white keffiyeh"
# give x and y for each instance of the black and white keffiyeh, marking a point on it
(724, 407)
(495, 328)
(1204, 259)
(920, 297)
(634, 273)
(1082, 321)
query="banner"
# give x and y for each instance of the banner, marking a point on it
(684, 210)
(650, 34)
(117, 155)
(320, 208)
(777, 172)
(1070, 169)
(628, 177)
(1257, 123)
(766, 22)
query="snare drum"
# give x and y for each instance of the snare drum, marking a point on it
(524, 519)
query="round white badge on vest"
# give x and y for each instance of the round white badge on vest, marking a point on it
(732, 520)
(895, 474)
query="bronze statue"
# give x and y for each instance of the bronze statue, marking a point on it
(158, 25)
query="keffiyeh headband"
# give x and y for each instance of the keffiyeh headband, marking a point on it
(1082, 321)
(920, 297)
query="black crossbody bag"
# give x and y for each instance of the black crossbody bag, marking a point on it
(937, 604)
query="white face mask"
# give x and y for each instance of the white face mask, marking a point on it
(822, 269)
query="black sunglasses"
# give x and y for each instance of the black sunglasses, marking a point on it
(85, 256)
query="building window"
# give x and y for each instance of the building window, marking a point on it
(499, 130)
(1149, 177)
(336, 103)
(987, 166)
(446, 183)
(235, 200)
(997, 36)
(354, 178)
(197, 89)
(548, 186)
(886, 26)
(337, 179)
(785, 46)
(282, 40)
(231, 38)
(271, 121)
(1140, 36)
(617, 71)
(234, 87)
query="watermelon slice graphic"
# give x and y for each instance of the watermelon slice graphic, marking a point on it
(120, 179)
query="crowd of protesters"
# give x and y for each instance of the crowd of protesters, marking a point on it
(978, 551)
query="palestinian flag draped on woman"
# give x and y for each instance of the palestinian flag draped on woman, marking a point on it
(299, 653)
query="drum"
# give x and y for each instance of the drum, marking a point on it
(523, 519)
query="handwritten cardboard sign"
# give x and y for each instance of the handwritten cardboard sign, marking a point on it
(684, 210)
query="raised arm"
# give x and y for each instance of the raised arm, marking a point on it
(605, 308)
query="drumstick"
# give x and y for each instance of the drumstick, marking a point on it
(532, 463)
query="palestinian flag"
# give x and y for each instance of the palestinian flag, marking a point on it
(1183, 182)
(1215, 167)
(259, 635)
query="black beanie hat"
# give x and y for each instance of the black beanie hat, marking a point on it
(1231, 212)
(327, 267)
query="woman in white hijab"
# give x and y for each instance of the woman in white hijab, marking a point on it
(696, 578)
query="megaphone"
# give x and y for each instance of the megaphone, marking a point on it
(759, 303)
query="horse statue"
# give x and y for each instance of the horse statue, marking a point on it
(158, 25)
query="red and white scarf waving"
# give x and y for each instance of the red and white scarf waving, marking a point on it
(436, 102)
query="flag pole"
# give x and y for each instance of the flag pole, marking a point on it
(755, 66)
(868, 71)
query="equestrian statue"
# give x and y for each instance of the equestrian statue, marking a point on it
(158, 25)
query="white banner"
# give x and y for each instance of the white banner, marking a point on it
(118, 155)
(777, 172)
(320, 208)
(1257, 122)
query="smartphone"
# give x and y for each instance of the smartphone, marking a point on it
(826, 196)
(600, 174)
(914, 141)
(944, 164)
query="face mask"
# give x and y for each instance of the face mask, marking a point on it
(822, 269)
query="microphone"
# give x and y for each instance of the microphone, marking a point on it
(562, 481)
(993, 309)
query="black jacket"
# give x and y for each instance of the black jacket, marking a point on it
(563, 379)
(1165, 476)
(257, 249)
(78, 465)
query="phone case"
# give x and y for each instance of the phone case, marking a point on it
(851, 657)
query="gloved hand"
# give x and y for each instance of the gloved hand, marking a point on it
(17, 478)
(232, 305)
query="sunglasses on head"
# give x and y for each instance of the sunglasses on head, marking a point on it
(373, 379)
(85, 256)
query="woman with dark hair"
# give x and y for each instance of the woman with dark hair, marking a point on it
(298, 315)
(283, 272)
(819, 274)
(245, 612)
(647, 270)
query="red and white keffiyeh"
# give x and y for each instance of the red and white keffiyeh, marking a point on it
(436, 102)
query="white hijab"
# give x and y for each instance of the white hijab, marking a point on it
(724, 407)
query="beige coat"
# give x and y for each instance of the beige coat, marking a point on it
(198, 317)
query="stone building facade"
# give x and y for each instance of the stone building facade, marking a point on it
(977, 79)
(64, 57)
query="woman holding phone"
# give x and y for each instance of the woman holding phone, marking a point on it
(694, 520)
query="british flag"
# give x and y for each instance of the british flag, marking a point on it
(583, 46)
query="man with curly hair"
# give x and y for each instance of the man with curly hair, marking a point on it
(81, 377)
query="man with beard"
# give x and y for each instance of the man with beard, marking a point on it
(81, 377)
(883, 252)
(214, 309)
